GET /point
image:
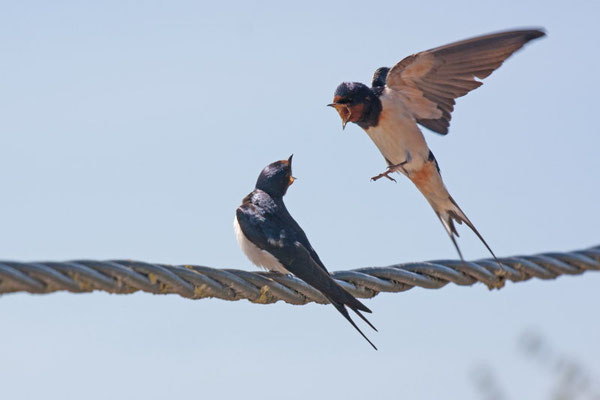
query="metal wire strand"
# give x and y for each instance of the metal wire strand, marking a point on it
(197, 282)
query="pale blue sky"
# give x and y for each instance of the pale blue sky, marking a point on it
(134, 129)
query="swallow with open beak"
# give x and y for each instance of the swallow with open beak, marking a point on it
(272, 239)
(421, 89)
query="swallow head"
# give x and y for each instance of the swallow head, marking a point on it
(351, 100)
(276, 178)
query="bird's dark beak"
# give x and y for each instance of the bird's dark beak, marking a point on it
(292, 178)
(344, 112)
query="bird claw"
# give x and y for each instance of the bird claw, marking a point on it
(384, 174)
(391, 168)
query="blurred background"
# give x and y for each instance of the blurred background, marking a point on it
(133, 130)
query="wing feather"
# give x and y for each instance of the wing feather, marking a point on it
(445, 73)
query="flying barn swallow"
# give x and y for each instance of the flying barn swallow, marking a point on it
(421, 89)
(272, 239)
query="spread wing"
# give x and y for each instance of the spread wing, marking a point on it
(432, 79)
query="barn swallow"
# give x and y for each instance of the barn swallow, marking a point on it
(272, 239)
(421, 89)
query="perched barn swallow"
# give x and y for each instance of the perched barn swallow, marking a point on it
(272, 239)
(421, 89)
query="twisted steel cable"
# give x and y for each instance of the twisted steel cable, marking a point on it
(196, 282)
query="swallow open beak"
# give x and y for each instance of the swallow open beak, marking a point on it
(344, 112)
(292, 178)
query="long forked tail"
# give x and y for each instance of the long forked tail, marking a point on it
(452, 213)
(341, 299)
(342, 309)
(304, 266)
(429, 181)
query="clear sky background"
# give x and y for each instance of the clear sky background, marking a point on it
(134, 129)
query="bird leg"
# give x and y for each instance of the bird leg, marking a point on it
(384, 174)
(391, 168)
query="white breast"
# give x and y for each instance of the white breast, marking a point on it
(397, 133)
(258, 256)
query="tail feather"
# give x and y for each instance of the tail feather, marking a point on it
(364, 319)
(449, 226)
(455, 214)
(341, 296)
(429, 181)
(347, 299)
(342, 309)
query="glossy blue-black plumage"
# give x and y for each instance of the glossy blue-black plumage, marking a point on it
(380, 76)
(275, 178)
(265, 221)
(355, 93)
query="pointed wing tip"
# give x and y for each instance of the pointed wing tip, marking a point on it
(535, 33)
(523, 35)
(529, 33)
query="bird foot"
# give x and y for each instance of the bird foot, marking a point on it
(385, 174)
(390, 169)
